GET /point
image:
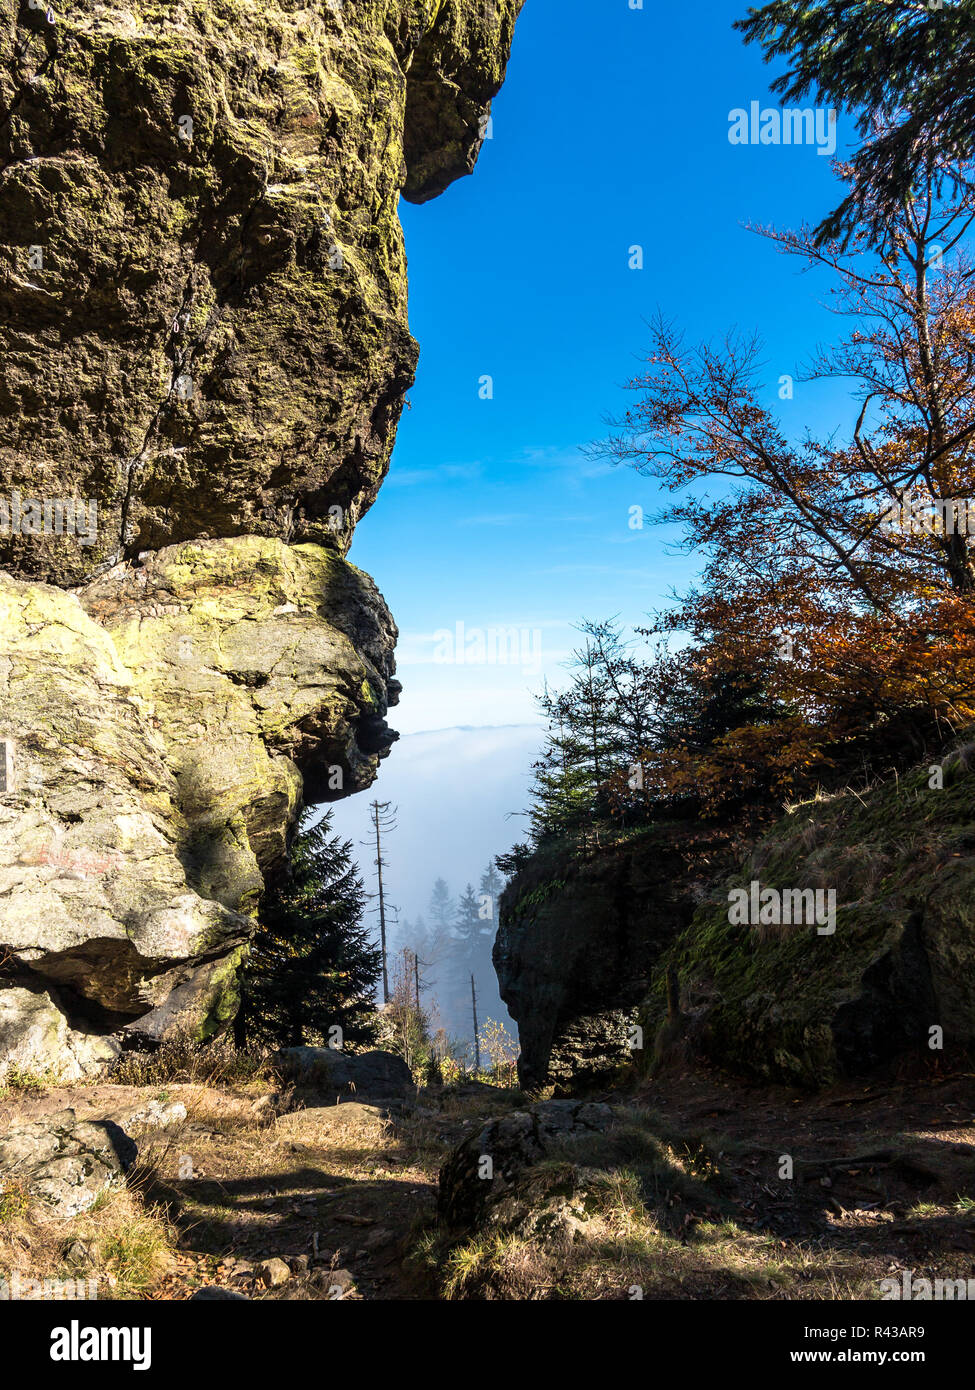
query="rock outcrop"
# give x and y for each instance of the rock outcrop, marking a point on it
(58, 1165)
(35, 1039)
(61, 1164)
(891, 974)
(205, 351)
(862, 951)
(580, 933)
(515, 1174)
(354, 1076)
(202, 275)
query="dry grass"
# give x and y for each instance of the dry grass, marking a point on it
(672, 1208)
(183, 1059)
(625, 1254)
(121, 1242)
(16, 1080)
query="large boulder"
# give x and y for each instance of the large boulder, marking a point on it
(63, 1164)
(892, 975)
(204, 353)
(35, 1038)
(159, 783)
(581, 930)
(202, 272)
(492, 1180)
(381, 1075)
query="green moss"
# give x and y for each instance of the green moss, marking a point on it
(781, 999)
(223, 996)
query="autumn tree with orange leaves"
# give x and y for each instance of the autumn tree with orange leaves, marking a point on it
(839, 572)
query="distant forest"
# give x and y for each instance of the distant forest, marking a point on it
(453, 941)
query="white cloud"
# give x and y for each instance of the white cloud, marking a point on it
(454, 790)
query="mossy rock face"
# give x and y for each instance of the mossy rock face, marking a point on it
(203, 290)
(791, 1003)
(580, 932)
(196, 1001)
(164, 719)
(204, 345)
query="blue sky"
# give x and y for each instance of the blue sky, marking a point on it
(611, 131)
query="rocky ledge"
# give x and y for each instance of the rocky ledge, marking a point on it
(205, 351)
(862, 953)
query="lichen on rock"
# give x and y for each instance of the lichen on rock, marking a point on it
(202, 273)
(895, 978)
(205, 352)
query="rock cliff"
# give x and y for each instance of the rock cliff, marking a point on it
(581, 931)
(205, 352)
(889, 974)
(877, 966)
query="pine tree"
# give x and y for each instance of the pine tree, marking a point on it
(471, 956)
(581, 752)
(312, 967)
(906, 67)
(441, 907)
(491, 887)
(471, 933)
(562, 792)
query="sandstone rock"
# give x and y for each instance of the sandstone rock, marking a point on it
(786, 1003)
(204, 343)
(578, 939)
(35, 1037)
(485, 1182)
(337, 1283)
(155, 1114)
(216, 341)
(542, 1205)
(381, 1075)
(273, 1272)
(65, 1163)
(96, 898)
(132, 849)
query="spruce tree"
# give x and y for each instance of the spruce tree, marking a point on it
(471, 956)
(312, 966)
(582, 749)
(441, 908)
(908, 70)
(472, 933)
(491, 887)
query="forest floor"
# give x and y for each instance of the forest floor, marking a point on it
(694, 1199)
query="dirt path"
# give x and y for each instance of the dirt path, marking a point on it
(883, 1179)
(324, 1188)
(884, 1170)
